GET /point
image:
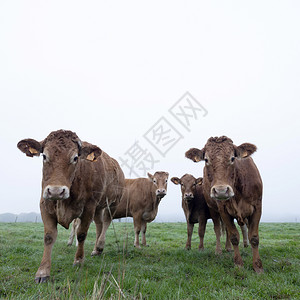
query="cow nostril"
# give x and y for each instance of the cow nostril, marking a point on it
(48, 191)
(63, 191)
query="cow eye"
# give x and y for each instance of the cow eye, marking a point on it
(232, 159)
(44, 157)
(206, 160)
(154, 180)
(75, 158)
(166, 180)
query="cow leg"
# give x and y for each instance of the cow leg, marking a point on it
(74, 229)
(254, 240)
(72, 234)
(98, 219)
(228, 243)
(190, 228)
(98, 232)
(50, 234)
(201, 231)
(86, 220)
(245, 235)
(100, 242)
(137, 229)
(144, 228)
(234, 237)
(77, 221)
(217, 228)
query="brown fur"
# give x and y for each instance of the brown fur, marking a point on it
(94, 180)
(232, 185)
(140, 200)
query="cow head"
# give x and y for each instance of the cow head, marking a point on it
(188, 186)
(62, 151)
(220, 156)
(160, 181)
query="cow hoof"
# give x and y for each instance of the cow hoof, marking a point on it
(239, 263)
(201, 249)
(218, 251)
(77, 262)
(187, 248)
(41, 279)
(259, 270)
(229, 249)
(137, 246)
(257, 266)
(145, 245)
(246, 245)
(96, 252)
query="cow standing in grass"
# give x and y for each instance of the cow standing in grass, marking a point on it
(196, 210)
(140, 200)
(232, 186)
(79, 181)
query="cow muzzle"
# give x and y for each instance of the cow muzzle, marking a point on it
(221, 192)
(161, 192)
(188, 197)
(56, 192)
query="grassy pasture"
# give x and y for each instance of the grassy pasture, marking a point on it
(164, 270)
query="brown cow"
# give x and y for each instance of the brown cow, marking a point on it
(140, 200)
(233, 186)
(196, 209)
(79, 180)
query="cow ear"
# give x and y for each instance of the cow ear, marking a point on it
(30, 147)
(199, 180)
(245, 150)
(175, 180)
(195, 154)
(150, 176)
(90, 152)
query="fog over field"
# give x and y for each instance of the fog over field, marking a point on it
(146, 82)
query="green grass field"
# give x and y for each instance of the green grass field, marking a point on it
(164, 270)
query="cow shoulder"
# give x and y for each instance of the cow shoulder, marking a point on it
(248, 177)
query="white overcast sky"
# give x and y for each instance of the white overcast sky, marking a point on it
(109, 70)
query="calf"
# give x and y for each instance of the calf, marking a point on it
(140, 200)
(196, 209)
(232, 185)
(79, 181)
